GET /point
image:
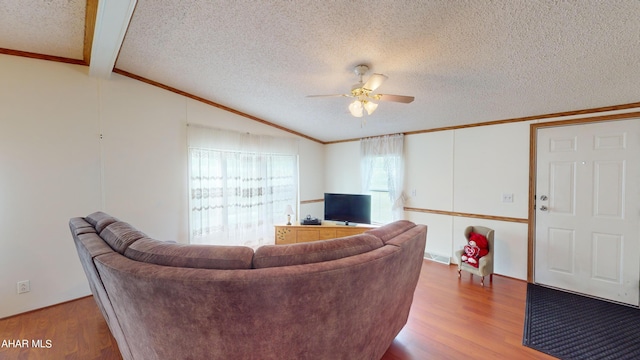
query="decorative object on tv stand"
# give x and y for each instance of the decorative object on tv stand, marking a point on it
(289, 211)
(311, 221)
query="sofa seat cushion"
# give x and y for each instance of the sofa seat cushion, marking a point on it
(120, 235)
(391, 230)
(190, 256)
(314, 252)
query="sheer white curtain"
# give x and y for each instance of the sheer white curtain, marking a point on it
(239, 185)
(389, 150)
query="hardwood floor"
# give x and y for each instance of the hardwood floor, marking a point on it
(455, 318)
(450, 318)
(76, 330)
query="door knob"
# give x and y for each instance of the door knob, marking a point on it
(543, 208)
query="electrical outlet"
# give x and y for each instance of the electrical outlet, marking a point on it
(507, 197)
(24, 287)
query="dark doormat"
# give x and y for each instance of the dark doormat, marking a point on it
(570, 326)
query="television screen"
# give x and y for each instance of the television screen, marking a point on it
(348, 208)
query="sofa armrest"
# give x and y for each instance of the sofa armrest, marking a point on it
(458, 256)
(485, 265)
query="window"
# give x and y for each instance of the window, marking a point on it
(382, 169)
(379, 190)
(236, 195)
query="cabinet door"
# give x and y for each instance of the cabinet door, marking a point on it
(285, 235)
(327, 234)
(306, 235)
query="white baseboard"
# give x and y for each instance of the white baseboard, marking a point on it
(443, 259)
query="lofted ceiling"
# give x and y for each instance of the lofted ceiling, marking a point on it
(464, 62)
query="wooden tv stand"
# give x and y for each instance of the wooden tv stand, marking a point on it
(291, 234)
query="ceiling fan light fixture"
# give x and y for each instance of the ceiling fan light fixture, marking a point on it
(370, 107)
(363, 94)
(355, 108)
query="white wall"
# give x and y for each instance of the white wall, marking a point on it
(53, 166)
(490, 161)
(429, 185)
(144, 155)
(311, 187)
(461, 171)
(342, 167)
(49, 172)
(429, 170)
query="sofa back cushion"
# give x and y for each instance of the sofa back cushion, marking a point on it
(190, 256)
(79, 226)
(100, 220)
(314, 252)
(120, 235)
(391, 230)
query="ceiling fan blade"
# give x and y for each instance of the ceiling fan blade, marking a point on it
(374, 81)
(395, 98)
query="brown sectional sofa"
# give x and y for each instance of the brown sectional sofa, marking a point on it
(343, 298)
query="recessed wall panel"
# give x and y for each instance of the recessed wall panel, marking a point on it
(608, 142)
(608, 186)
(562, 187)
(561, 252)
(607, 257)
(562, 144)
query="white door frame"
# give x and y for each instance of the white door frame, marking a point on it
(533, 138)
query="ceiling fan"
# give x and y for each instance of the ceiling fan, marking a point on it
(363, 93)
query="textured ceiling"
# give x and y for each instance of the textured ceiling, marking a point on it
(464, 61)
(50, 27)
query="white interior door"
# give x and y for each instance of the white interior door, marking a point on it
(588, 209)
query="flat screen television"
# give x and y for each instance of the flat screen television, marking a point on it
(347, 208)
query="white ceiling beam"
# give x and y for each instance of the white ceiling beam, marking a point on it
(112, 21)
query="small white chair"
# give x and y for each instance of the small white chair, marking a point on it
(485, 264)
